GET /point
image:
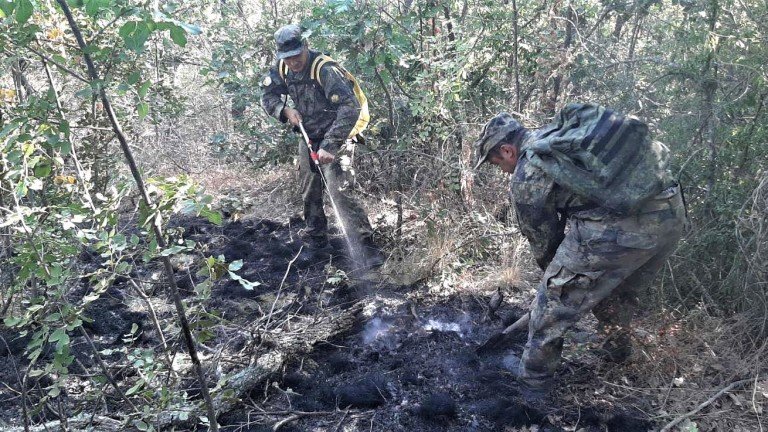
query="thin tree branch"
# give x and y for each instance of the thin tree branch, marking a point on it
(57, 64)
(105, 370)
(704, 404)
(169, 273)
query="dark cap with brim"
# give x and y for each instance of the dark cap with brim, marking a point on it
(289, 40)
(501, 128)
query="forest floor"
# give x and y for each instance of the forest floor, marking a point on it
(406, 362)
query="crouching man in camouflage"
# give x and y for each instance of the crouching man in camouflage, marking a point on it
(598, 173)
(322, 99)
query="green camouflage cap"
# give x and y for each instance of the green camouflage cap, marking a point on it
(501, 128)
(289, 40)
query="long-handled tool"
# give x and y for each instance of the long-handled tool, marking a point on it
(502, 338)
(314, 156)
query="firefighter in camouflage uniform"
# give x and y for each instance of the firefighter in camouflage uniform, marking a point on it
(322, 98)
(609, 252)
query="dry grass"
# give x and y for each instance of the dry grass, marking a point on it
(683, 361)
(457, 253)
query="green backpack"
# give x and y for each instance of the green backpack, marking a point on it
(603, 156)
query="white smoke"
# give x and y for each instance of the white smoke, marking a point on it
(376, 330)
(437, 325)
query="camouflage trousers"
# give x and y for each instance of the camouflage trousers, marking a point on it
(601, 265)
(352, 215)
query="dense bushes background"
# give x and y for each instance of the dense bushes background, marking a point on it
(184, 77)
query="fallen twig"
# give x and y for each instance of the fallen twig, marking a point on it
(704, 404)
(280, 289)
(338, 425)
(105, 370)
(295, 415)
(287, 420)
(152, 314)
(79, 422)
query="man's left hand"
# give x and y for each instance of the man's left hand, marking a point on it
(325, 157)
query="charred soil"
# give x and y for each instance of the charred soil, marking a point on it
(405, 362)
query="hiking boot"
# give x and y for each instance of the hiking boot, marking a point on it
(532, 390)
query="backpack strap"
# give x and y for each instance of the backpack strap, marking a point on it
(364, 118)
(314, 76)
(282, 69)
(317, 65)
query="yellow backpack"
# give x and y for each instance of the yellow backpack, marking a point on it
(317, 64)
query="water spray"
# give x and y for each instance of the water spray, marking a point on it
(315, 158)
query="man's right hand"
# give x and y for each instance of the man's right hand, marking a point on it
(292, 115)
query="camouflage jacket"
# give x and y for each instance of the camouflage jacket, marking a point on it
(329, 112)
(542, 207)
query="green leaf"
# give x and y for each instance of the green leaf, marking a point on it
(127, 29)
(135, 34)
(85, 93)
(52, 140)
(55, 391)
(143, 110)
(134, 77)
(203, 289)
(24, 11)
(245, 283)
(162, 25)
(135, 388)
(122, 88)
(92, 7)
(75, 324)
(64, 127)
(11, 321)
(6, 8)
(42, 169)
(61, 338)
(65, 147)
(35, 354)
(144, 88)
(179, 36)
(213, 217)
(140, 425)
(172, 250)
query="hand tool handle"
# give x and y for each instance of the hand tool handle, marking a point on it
(312, 153)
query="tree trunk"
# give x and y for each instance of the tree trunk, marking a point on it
(561, 65)
(515, 53)
(319, 329)
(709, 86)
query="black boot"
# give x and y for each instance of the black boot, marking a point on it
(532, 390)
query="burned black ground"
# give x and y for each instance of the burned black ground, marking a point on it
(409, 364)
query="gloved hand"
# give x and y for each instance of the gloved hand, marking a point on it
(325, 157)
